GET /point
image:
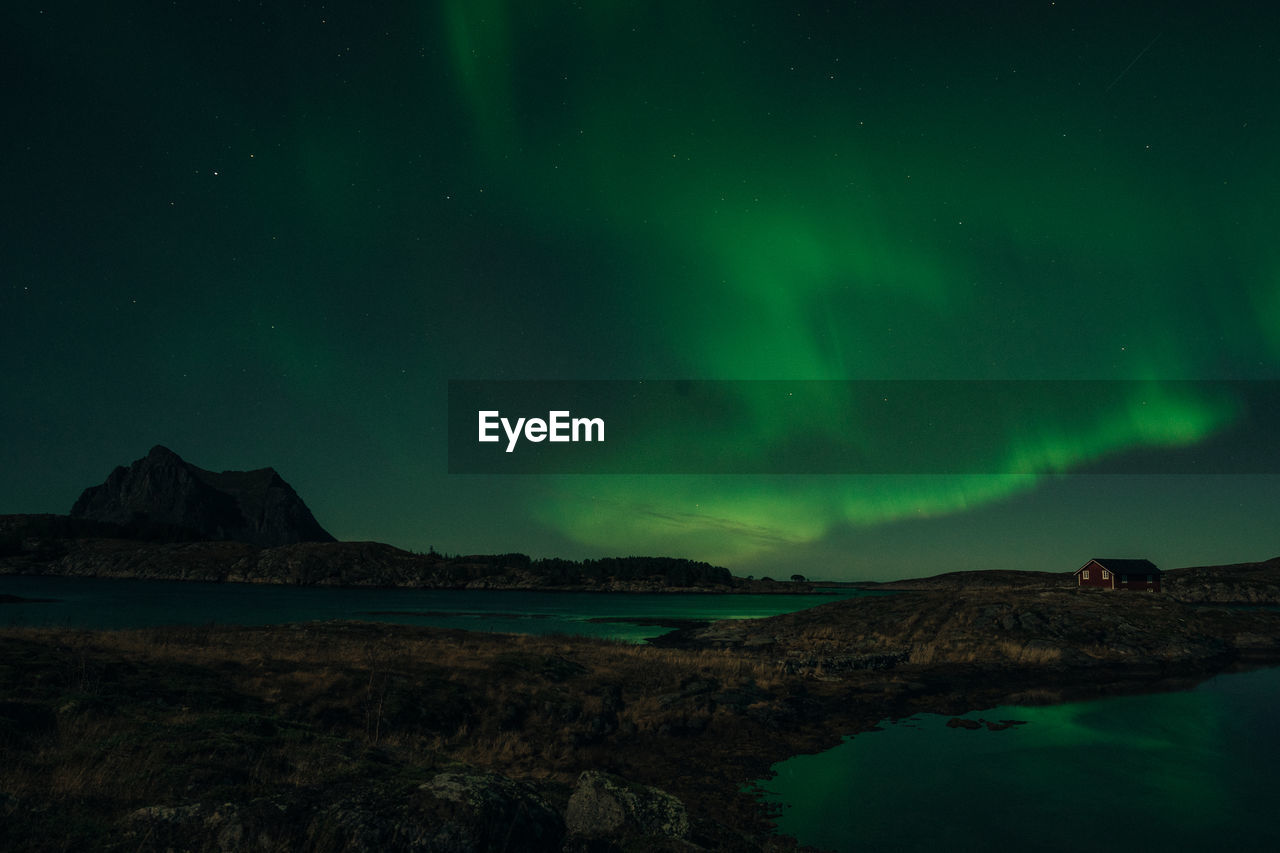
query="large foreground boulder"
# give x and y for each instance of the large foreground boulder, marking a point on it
(624, 815)
(487, 811)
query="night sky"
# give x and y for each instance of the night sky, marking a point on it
(270, 234)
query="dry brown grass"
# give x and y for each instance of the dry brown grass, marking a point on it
(520, 703)
(934, 652)
(1027, 654)
(126, 719)
(922, 653)
(1098, 651)
(510, 749)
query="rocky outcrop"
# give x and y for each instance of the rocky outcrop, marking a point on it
(488, 811)
(1052, 628)
(1241, 583)
(163, 496)
(336, 564)
(607, 808)
(990, 579)
(455, 812)
(122, 558)
(1237, 583)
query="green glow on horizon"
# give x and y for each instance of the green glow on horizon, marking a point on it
(730, 518)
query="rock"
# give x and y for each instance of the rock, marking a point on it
(161, 491)
(195, 826)
(605, 807)
(456, 812)
(961, 723)
(1001, 725)
(487, 811)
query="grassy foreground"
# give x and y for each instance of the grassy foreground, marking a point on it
(357, 736)
(100, 727)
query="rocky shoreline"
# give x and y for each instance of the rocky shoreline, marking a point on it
(359, 736)
(1237, 583)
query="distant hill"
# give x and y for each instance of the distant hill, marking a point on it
(162, 496)
(58, 545)
(979, 579)
(1022, 627)
(1238, 583)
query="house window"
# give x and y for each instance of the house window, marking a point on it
(1086, 574)
(1124, 579)
(1105, 574)
(1148, 578)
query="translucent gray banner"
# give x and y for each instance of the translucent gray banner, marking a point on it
(863, 427)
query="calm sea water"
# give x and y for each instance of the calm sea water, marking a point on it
(99, 603)
(1195, 770)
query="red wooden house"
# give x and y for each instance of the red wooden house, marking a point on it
(1119, 574)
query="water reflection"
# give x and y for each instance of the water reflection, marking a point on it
(1178, 771)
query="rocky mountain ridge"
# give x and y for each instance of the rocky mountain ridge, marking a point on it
(168, 497)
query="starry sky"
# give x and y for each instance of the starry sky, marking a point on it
(267, 233)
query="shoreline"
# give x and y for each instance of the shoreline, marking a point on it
(699, 718)
(634, 589)
(304, 730)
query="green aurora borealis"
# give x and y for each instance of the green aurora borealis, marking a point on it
(268, 234)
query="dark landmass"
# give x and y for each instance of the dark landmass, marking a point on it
(1238, 583)
(1065, 627)
(654, 621)
(990, 725)
(354, 736)
(5, 598)
(161, 496)
(162, 518)
(984, 579)
(72, 547)
(477, 613)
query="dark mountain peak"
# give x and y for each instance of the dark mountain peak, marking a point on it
(163, 491)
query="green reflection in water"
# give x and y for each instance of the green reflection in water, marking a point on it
(1177, 771)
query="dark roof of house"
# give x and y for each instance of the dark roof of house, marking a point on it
(1124, 567)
